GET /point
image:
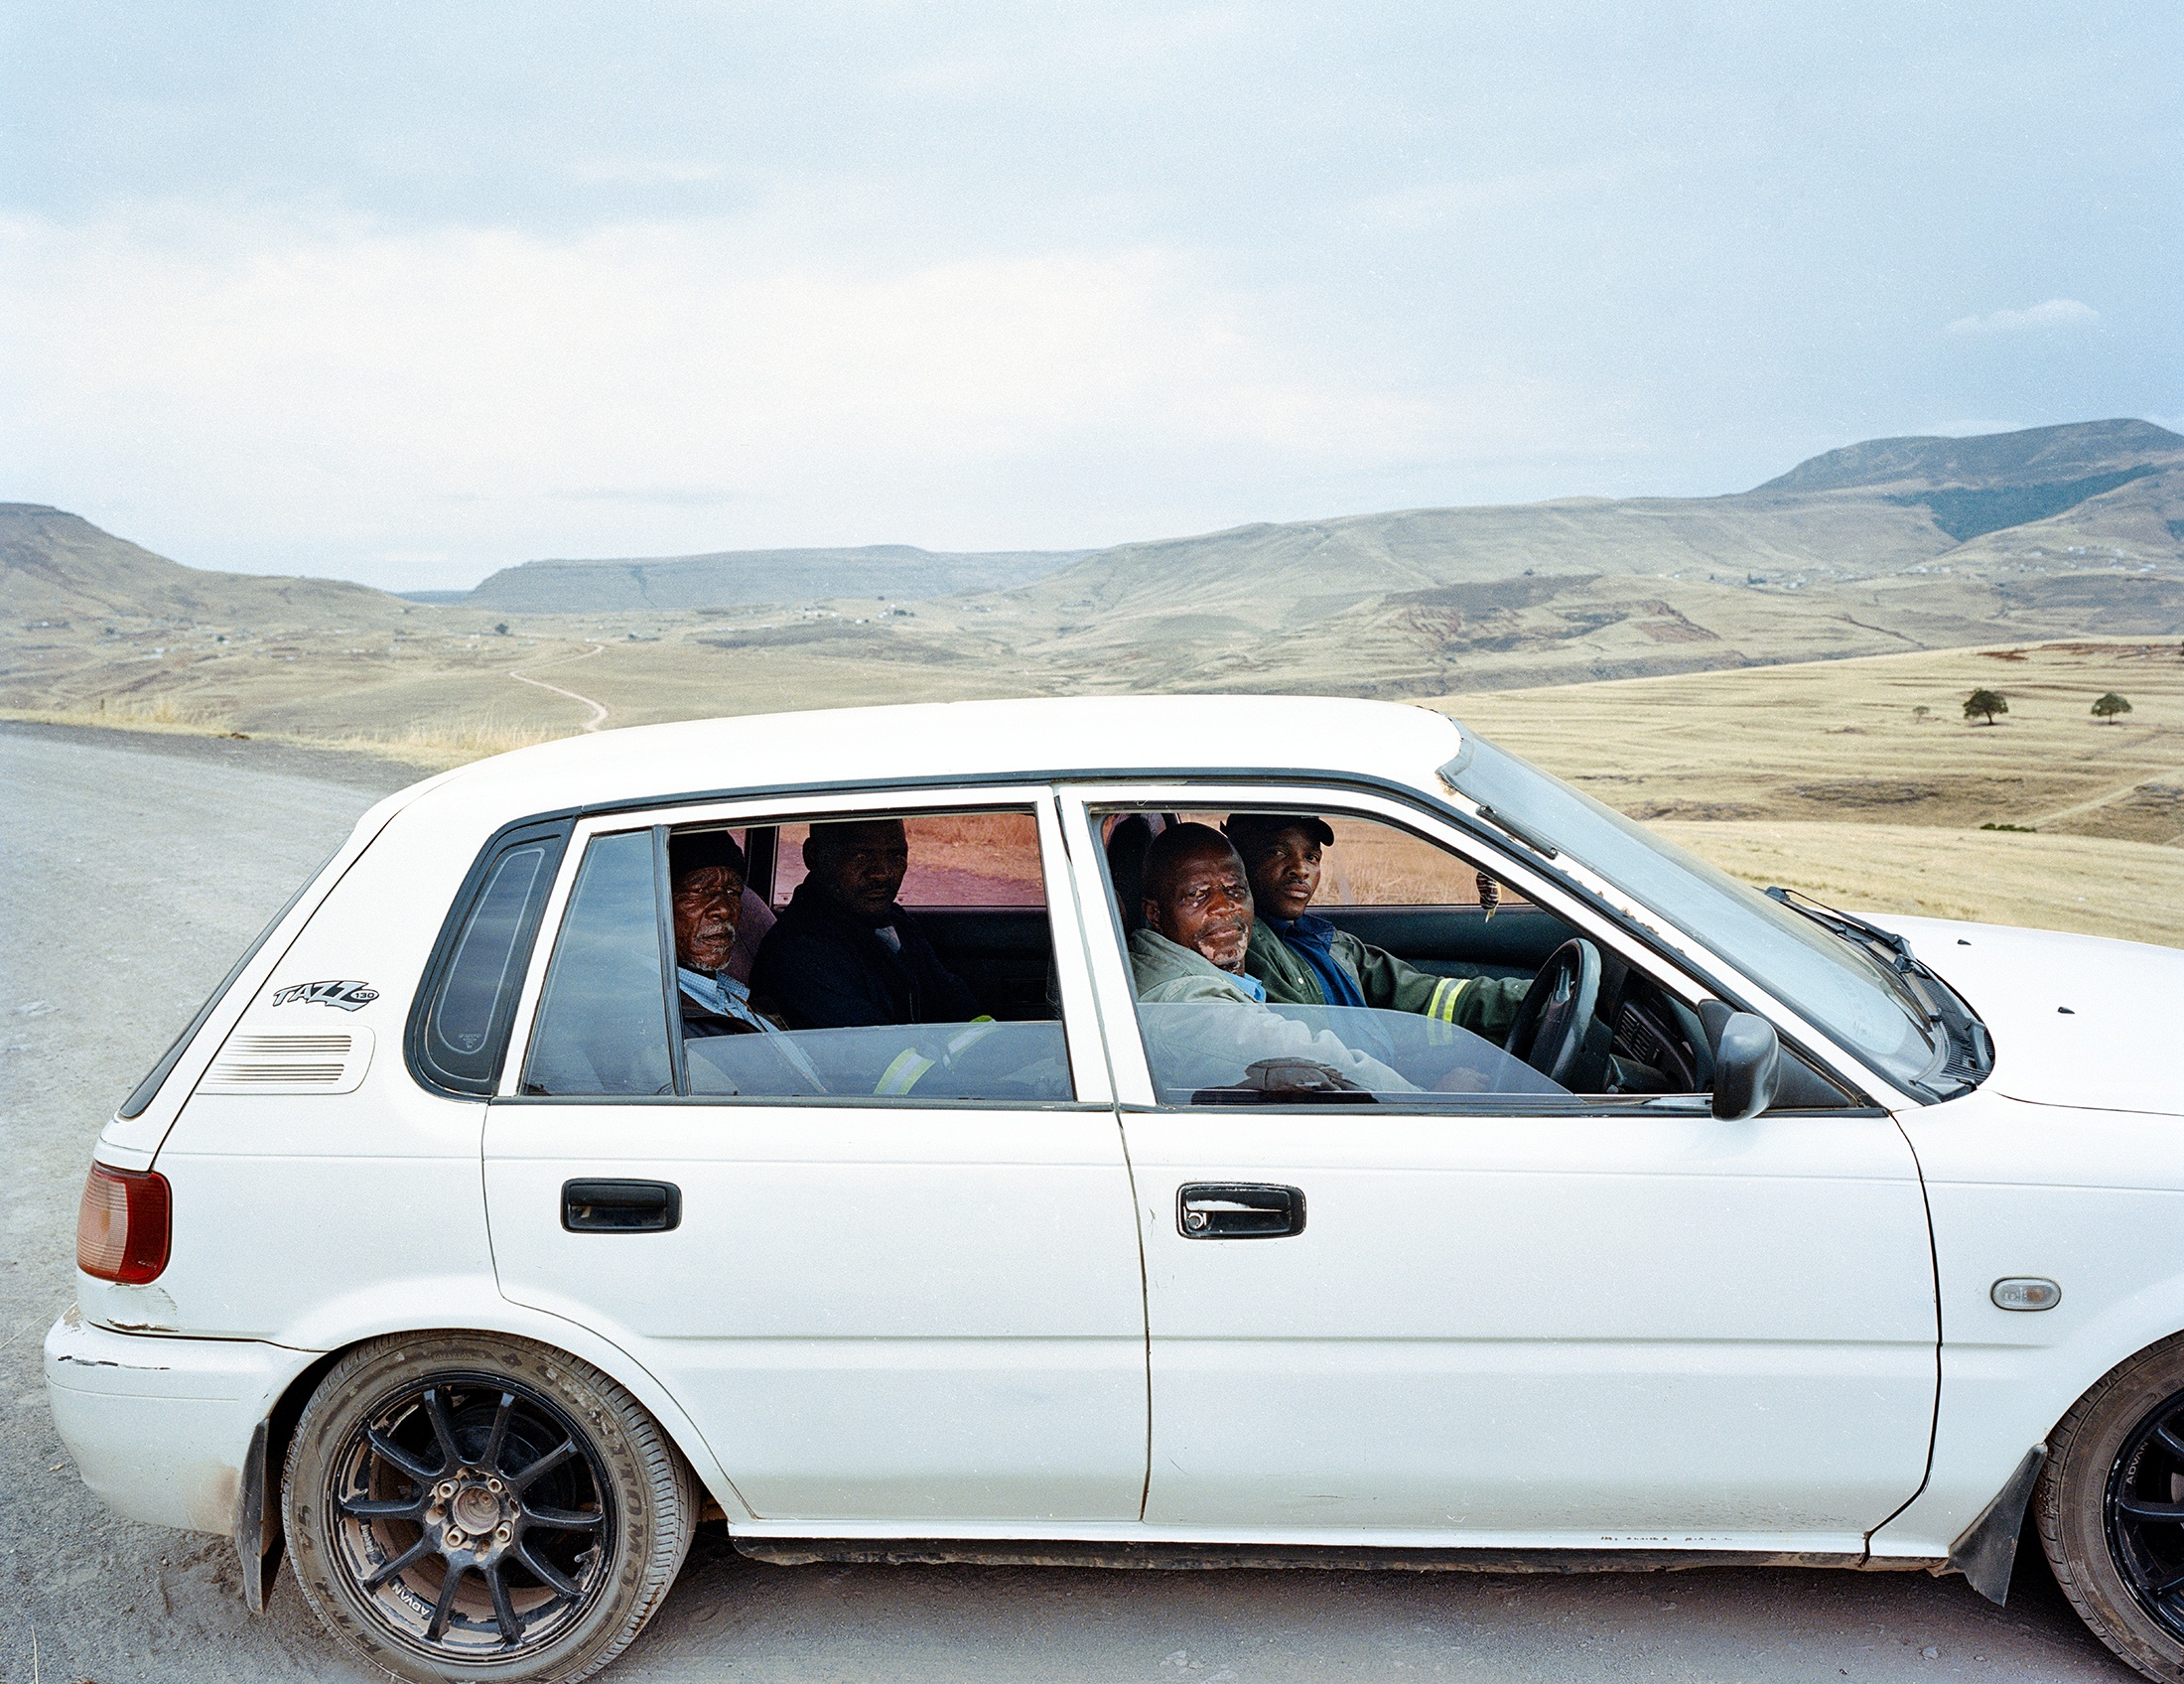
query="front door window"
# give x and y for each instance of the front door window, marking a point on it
(1279, 955)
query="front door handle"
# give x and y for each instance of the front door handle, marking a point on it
(621, 1208)
(1237, 1211)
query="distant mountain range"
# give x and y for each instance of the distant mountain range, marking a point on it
(737, 577)
(1894, 544)
(1889, 544)
(1882, 507)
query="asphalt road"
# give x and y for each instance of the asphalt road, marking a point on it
(135, 868)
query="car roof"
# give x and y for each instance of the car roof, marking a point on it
(1089, 736)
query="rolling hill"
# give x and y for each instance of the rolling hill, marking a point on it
(735, 578)
(1880, 508)
(57, 566)
(1856, 552)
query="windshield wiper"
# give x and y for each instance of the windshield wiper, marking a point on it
(1904, 970)
(1823, 914)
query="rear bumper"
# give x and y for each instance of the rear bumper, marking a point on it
(160, 1427)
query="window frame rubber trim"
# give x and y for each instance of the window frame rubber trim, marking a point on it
(552, 829)
(1062, 778)
(663, 903)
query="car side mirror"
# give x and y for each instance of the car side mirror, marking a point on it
(1747, 1062)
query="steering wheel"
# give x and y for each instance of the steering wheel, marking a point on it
(1553, 1028)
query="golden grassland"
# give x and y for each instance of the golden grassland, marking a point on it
(2086, 883)
(1823, 777)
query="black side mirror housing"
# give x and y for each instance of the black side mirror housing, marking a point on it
(1747, 1064)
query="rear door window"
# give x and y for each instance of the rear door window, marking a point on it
(945, 992)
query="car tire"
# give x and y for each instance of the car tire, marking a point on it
(2116, 1455)
(482, 1508)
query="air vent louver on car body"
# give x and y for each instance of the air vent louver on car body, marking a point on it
(291, 1063)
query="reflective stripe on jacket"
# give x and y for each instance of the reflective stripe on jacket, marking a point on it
(1487, 1006)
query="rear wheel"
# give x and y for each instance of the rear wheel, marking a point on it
(466, 1506)
(2110, 1509)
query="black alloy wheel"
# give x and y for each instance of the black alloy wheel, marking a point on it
(2144, 1511)
(472, 1513)
(2109, 1507)
(482, 1507)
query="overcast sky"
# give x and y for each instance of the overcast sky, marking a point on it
(405, 293)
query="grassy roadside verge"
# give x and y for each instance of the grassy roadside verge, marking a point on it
(432, 747)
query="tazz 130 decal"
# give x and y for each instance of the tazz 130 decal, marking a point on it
(347, 996)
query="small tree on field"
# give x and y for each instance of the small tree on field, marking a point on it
(1984, 702)
(2108, 706)
(1918, 714)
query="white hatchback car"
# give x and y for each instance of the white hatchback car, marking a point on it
(484, 1234)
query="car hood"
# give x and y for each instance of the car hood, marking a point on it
(2077, 1020)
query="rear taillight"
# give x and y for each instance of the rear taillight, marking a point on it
(121, 1228)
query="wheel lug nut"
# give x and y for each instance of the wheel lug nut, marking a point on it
(494, 1486)
(447, 1490)
(505, 1533)
(455, 1540)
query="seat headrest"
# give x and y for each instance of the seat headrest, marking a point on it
(1126, 846)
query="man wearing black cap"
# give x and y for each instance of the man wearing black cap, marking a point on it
(1303, 960)
(844, 954)
(706, 870)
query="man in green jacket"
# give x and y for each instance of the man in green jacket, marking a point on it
(1206, 1023)
(1303, 960)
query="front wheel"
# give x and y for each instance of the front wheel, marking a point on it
(471, 1507)
(2110, 1509)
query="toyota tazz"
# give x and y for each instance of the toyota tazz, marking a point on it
(522, 1200)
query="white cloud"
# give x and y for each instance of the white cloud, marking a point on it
(2038, 318)
(647, 172)
(354, 394)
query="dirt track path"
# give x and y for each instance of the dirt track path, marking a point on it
(135, 869)
(2151, 775)
(523, 676)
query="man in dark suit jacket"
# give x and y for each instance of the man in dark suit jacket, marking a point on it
(844, 954)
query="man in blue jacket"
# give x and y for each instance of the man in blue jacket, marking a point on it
(844, 954)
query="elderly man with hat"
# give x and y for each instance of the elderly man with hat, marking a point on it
(1304, 960)
(706, 871)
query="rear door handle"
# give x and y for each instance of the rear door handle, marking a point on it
(1237, 1211)
(621, 1208)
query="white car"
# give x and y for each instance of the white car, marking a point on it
(481, 1238)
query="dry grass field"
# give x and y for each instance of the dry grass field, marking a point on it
(1824, 776)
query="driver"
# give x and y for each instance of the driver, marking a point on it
(1303, 960)
(1197, 925)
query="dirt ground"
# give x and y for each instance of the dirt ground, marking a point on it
(136, 867)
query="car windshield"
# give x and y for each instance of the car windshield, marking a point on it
(1834, 984)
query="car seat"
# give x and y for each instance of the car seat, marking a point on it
(1125, 845)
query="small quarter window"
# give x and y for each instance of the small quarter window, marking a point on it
(462, 1016)
(458, 1030)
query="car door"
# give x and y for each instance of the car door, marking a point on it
(891, 1307)
(1514, 1318)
